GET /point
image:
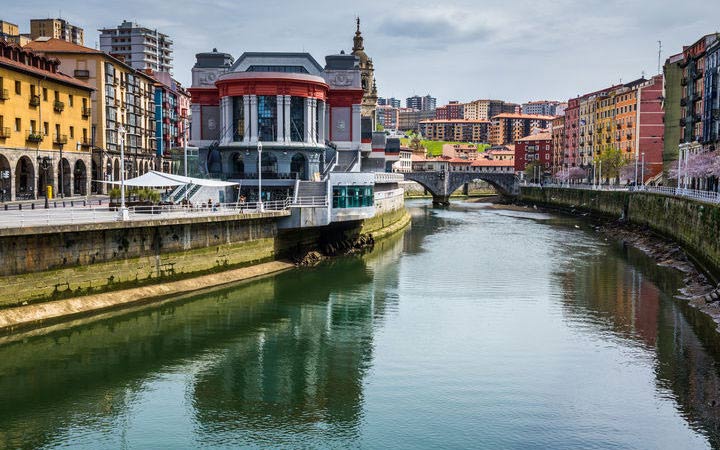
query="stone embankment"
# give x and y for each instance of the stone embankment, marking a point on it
(64, 274)
(680, 233)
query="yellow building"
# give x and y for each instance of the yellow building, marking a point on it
(123, 99)
(44, 127)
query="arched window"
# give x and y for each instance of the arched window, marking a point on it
(269, 163)
(298, 166)
(238, 165)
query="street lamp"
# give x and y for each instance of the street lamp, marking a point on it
(636, 170)
(259, 149)
(642, 171)
(123, 213)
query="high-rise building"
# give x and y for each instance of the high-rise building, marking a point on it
(138, 46)
(409, 118)
(392, 101)
(387, 116)
(541, 107)
(426, 103)
(56, 29)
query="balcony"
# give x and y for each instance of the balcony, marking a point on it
(628, 136)
(683, 81)
(34, 136)
(4, 94)
(86, 112)
(697, 117)
(85, 142)
(683, 101)
(4, 133)
(58, 106)
(60, 139)
(682, 122)
(698, 75)
(34, 100)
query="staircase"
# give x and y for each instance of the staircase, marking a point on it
(178, 194)
(345, 161)
(311, 189)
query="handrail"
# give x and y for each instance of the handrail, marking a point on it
(330, 165)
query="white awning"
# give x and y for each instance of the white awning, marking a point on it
(159, 179)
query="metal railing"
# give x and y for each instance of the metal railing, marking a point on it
(310, 201)
(696, 194)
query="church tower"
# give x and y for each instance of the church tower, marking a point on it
(367, 75)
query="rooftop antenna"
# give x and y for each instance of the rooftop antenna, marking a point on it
(659, 56)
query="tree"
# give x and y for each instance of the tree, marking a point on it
(533, 172)
(416, 145)
(610, 162)
(379, 127)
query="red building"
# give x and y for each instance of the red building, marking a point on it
(572, 119)
(650, 127)
(452, 111)
(536, 148)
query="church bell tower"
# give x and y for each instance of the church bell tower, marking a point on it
(367, 75)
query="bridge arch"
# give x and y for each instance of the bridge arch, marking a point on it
(442, 184)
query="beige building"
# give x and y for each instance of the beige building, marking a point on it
(123, 98)
(10, 32)
(56, 29)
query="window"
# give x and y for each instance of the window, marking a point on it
(238, 118)
(72, 132)
(18, 124)
(57, 96)
(70, 100)
(267, 117)
(18, 89)
(33, 126)
(44, 94)
(297, 119)
(46, 128)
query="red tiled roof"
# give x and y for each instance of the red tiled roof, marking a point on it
(454, 121)
(484, 162)
(522, 116)
(57, 76)
(59, 46)
(536, 137)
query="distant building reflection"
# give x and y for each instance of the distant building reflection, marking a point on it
(619, 294)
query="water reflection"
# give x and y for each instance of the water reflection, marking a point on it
(294, 347)
(634, 302)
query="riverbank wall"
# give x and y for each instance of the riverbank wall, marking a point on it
(49, 263)
(694, 225)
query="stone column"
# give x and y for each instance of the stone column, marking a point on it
(313, 119)
(356, 121)
(321, 122)
(226, 128)
(195, 125)
(253, 119)
(246, 118)
(288, 119)
(307, 114)
(281, 119)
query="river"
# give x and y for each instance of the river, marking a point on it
(476, 328)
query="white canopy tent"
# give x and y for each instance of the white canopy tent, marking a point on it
(159, 179)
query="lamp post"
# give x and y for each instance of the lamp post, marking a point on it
(642, 171)
(259, 149)
(636, 170)
(185, 130)
(123, 213)
(62, 169)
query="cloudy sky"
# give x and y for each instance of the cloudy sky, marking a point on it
(517, 50)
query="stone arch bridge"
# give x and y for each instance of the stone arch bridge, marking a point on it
(442, 184)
